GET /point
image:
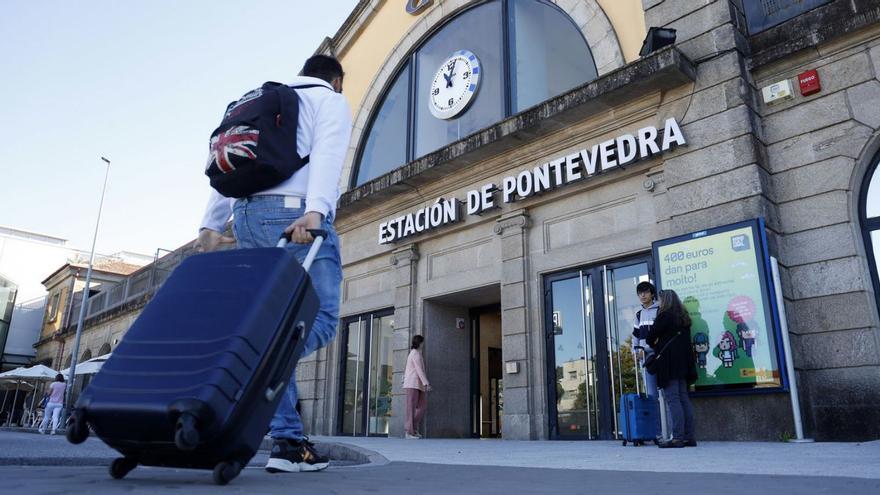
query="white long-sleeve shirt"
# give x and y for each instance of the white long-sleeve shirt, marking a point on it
(323, 133)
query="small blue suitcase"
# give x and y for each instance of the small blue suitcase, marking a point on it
(199, 374)
(638, 419)
(637, 416)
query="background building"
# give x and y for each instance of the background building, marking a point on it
(118, 292)
(26, 258)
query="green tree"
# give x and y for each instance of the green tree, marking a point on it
(627, 367)
(580, 400)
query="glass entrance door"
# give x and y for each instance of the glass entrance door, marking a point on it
(589, 324)
(622, 305)
(353, 371)
(366, 378)
(381, 368)
(576, 357)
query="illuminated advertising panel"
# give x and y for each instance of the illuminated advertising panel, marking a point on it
(721, 276)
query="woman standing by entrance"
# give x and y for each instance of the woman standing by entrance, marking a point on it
(415, 382)
(670, 337)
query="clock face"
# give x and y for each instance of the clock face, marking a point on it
(455, 85)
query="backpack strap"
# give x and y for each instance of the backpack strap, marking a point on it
(305, 159)
(306, 86)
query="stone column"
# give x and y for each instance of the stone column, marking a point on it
(512, 227)
(404, 261)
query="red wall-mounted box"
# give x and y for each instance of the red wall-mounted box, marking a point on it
(809, 82)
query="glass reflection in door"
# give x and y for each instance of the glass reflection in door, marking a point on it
(366, 374)
(574, 344)
(353, 373)
(622, 304)
(381, 333)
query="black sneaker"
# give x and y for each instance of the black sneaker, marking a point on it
(672, 444)
(290, 456)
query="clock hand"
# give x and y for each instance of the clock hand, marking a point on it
(451, 73)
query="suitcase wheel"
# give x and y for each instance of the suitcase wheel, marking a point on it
(122, 466)
(624, 443)
(77, 429)
(187, 435)
(225, 472)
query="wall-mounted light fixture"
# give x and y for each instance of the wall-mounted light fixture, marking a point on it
(656, 39)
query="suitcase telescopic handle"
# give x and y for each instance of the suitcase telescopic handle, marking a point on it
(637, 368)
(318, 234)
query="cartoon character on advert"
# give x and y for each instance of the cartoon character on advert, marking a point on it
(701, 348)
(727, 346)
(747, 337)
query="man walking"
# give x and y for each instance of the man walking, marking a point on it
(307, 200)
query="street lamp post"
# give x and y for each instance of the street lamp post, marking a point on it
(85, 299)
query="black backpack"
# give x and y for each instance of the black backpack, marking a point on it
(254, 147)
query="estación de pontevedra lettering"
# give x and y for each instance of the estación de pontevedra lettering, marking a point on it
(560, 171)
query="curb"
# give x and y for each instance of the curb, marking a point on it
(359, 456)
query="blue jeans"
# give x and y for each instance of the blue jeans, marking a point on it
(258, 221)
(680, 410)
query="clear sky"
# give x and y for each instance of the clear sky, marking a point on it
(142, 83)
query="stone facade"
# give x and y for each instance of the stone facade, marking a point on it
(818, 150)
(798, 164)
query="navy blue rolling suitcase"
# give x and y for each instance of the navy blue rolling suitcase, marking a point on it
(199, 374)
(637, 416)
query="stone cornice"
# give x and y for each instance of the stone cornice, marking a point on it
(812, 28)
(352, 24)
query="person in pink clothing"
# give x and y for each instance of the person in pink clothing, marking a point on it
(55, 404)
(415, 382)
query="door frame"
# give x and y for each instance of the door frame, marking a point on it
(474, 317)
(598, 285)
(364, 381)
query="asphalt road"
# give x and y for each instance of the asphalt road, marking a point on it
(416, 478)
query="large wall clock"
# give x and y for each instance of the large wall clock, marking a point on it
(455, 84)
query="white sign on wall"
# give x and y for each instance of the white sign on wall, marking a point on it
(560, 171)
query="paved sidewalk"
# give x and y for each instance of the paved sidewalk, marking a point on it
(838, 460)
(855, 460)
(26, 448)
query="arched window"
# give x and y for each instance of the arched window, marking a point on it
(105, 349)
(85, 357)
(528, 51)
(869, 211)
(385, 146)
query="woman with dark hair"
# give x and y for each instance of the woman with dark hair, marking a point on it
(55, 404)
(415, 382)
(674, 366)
